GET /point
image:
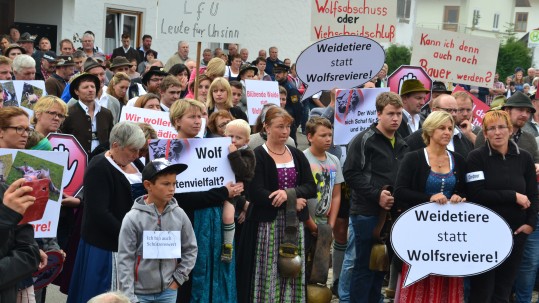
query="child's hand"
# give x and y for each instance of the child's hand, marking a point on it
(232, 148)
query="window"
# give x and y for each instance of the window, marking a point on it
(522, 3)
(521, 22)
(496, 21)
(403, 9)
(119, 22)
(451, 18)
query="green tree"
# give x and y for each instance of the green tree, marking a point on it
(396, 56)
(513, 53)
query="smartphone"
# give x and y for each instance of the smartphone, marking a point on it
(40, 190)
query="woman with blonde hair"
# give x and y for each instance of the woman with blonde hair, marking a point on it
(118, 86)
(438, 175)
(49, 113)
(212, 280)
(220, 98)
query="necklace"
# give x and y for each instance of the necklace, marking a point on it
(121, 166)
(279, 154)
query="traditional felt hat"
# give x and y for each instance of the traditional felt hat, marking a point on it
(245, 67)
(438, 86)
(89, 64)
(413, 86)
(78, 79)
(119, 62)
(154, 70)
(519, 99)
(161, 166)
(498, 102)
(12, 46)
(27, 38)
(64, 61)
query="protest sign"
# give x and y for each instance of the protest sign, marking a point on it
(455, 57)
(77, 161)
(190, 20)
(161, 244)
(344, 62)
(258, 94)
(355, 111)
(23, 93)
(208, 165)
(373, 19)
(460, 239)
(479, 108)
(407, 72)
(37, 166)
(159, 120)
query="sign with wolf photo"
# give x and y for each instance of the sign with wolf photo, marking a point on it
(23, 93)
(207, 161)
(45, 167)
(355, 111)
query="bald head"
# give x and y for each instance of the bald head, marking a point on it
(446, 103)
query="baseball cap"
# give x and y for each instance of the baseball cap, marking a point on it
(161, 166)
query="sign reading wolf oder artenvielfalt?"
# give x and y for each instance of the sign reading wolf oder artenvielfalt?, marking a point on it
(344, 62)
(462, 239)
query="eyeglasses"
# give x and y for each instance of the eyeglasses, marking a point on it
(55, 115)
(156, 79)
(448, 110)
(223, 125)
(20, 130)
(497, 127)
(465, 110)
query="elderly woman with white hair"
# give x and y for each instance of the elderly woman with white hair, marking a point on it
(111, 183)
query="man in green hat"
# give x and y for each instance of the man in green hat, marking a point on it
(519, 107)
(413, 94)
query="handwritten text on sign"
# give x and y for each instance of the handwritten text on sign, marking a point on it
(461, 239)
(366, 18)
(355, 111)
(455, 57)
(207, 161)
(203, 21)
(161, 245)
(260, 93)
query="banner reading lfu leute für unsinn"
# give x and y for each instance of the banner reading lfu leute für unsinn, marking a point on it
(355, 111)
(36, 166)
(462, 239)
(206, 159)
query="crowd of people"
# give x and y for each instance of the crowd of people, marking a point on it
(255, 240)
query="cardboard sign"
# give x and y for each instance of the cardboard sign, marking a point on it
(373, 19)
(345, 62)
(208, 165)
(161, 244)
(77, 161)
(23, 93)
(38, 165)
(479, 107)
(455, 57)
(355, 111)
(258, 94)
(460, 239)
(210, 21)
